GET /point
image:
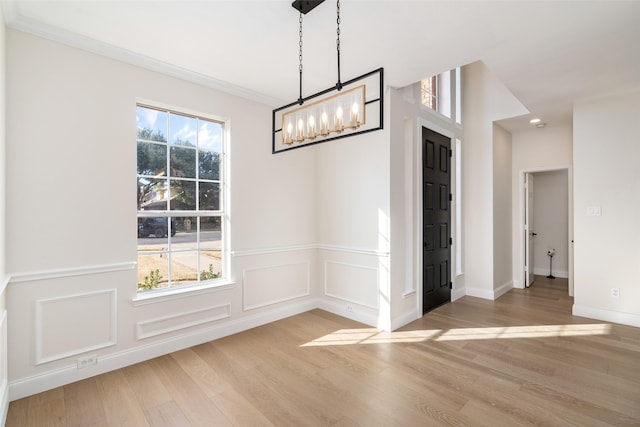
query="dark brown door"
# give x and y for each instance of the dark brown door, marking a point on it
(436, 219)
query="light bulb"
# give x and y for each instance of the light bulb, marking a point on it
(311, 121)
(288, 138)
(339, 121)
(300, 133)
(324, 126)
(354, 115)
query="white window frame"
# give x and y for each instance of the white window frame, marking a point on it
(223, 212)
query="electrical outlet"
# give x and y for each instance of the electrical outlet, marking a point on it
(350, 308)
(83, 362)
(615, 292)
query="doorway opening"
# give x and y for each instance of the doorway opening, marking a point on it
(546, 224)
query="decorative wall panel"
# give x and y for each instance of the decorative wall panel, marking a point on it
(352, 283)
(263, 286)
(175, 322)
(74, 324)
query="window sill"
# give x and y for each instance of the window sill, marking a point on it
(160, 296)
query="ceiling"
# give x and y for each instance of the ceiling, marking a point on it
(548, 53)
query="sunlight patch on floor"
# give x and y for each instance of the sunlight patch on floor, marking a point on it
(374, 336)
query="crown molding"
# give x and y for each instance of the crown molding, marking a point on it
(15, 21)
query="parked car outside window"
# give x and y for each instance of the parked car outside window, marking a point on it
(156, 226)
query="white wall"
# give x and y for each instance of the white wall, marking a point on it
(352, 227)
(539, 149)
(71, 247)
(502, 250)
(551, 222)
(486, 100)
(4, 389)
(408, 117)
(607, 175)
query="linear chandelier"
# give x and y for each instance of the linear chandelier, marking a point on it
(346, 109)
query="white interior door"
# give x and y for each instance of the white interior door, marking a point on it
(529, 234)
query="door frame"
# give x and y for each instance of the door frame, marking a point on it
(519, 233)
(529, 195)
(417, 211)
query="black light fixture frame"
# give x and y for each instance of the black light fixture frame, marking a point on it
(277, 127)
(305, 6)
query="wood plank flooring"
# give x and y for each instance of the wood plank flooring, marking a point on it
(519, 361)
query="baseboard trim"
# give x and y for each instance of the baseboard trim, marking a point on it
(628, 319)
(458, 293)
(479, 293)
(502, 289)
(490, 294)
(67, 374)
(356, 314)
(405, 319)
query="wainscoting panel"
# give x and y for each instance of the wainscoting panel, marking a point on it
(351, 282)
(74, 324)
(176, 322)
(263, 286)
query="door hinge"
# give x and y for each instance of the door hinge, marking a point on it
(450, 285)
(450, 197)
(450, 153)
(450, 241)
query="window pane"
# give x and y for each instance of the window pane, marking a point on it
(152, 194)
(209, 196)
(458, 96)
(429, 92)
(153, 271)
(210, 265)
(183, 162)
(183, 195)
(153, 233)
(186, 236)
(210, 232)
(209, 165)
(209, 136)
(444, 94)
(184, 268)
(182, 130)
(152, 159)
(151, 124)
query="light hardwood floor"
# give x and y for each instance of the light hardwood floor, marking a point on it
(520, 360)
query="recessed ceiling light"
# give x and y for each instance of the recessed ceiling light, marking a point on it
(534, 121)
(541, 125)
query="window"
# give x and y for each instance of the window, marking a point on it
(439, 92)
(180, 200)
(429, 95)
(458, 88)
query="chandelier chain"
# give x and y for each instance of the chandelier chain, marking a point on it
(300, 101)
(339, 84)
(300, 43)
(338, 26)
